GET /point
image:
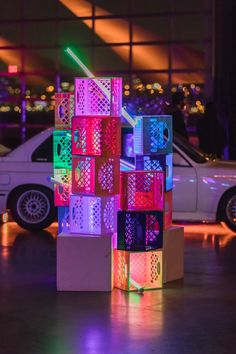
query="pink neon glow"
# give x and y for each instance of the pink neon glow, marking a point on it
(64, 110)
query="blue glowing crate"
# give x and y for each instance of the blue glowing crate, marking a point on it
(62, 154)
(63, 216)
(140, 231)
(153, 135)
(160, 162)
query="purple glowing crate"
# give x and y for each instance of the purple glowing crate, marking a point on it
(142, 190)
(140, 231)
(64, 110)
(98, 96)
(161, 162)
(93, 215)
(153, 135)
(63, 216)
(96, 175)
(96, 136)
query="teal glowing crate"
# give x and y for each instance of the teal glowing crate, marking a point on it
(62, 154)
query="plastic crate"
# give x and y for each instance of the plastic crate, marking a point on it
(142, 190)
(153, 135)
(138, 269)
(96, 175)
(162, 162)
(140, 231)
(96, 136)
(62, 149)
(63, 216)
(168, 210)
(93, 215)
(62, 187)
(64, 110)
(98, 96)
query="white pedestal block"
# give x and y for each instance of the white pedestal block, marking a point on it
(84, 263)
(173, 254)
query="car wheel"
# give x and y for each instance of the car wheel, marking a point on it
(33, 207)
(227, 209)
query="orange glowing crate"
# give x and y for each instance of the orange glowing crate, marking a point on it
(142, 268)
(64, 110)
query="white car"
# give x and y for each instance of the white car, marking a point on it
(204, 189)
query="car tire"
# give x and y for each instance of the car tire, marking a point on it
(227, 209)
(32, 207)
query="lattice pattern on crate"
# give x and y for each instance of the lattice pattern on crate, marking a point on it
(62, 186)
(98, 96)
(63, 219)
(142, 268)
(142, 190)
(64, 110)
(93, 215)
(153, 135)
(140, 231)
(161, 162)
(95, 176)
(96, 136)
(62, 149)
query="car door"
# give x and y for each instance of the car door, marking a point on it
(184, 184)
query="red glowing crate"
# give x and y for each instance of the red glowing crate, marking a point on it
(96, 136)
(62, 186)
(95, 175)
(64, 110)
(168, 210)
(142, 190)
(135, 270)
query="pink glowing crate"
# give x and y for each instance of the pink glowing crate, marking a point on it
(96, 136)
(95, 175)
(93, 215)
(142, 269)
(168, 210)
(64, 110)
(98, 96)
(142, 190)
(62, 186)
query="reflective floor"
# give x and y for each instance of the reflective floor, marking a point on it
(194, 316)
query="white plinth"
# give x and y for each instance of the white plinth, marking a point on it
(173, 254)
(84, 263)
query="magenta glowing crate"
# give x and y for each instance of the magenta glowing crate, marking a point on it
(62, 186)
(64, 110)
(142, 190)
(153, 135)
(140, 231)
(98, 176)
(136, 270)
(63, 217)
(62, 149)
(98, 96)
(96, 136)
(93, 215)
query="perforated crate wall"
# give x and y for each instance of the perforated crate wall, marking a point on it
(63, 214)
(64, 110)
(140, 231)
(62, 149)
(93, 215)
(142, 268)
(63, 186)
(98, 97)
(96, 136)
(96, 175)
(161, 162)
(153, 135)
(142, 190)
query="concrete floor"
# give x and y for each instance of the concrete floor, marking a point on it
(194, 316)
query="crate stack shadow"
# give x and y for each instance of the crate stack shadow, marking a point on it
(87, 149)
(149, 249)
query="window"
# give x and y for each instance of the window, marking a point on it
(44, 152)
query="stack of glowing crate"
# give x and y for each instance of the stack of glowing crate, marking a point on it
(64, 111)
(146, 207)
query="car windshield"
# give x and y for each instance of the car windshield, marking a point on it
(4, 150)
(193, 152)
